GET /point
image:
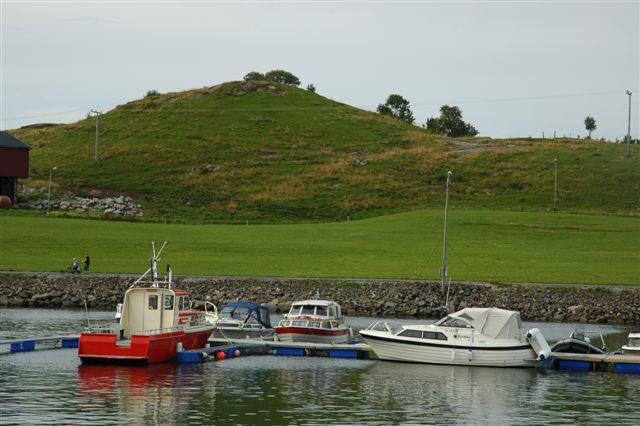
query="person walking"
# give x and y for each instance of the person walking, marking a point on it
(87, 262)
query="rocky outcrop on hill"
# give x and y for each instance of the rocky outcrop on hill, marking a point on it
(376, 298)
(115, 206)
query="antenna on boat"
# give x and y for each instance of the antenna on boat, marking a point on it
(86, 312)
(154, 261)
(170, 275)
(443, 271)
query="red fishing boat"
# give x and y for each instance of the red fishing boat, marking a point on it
(154, 321)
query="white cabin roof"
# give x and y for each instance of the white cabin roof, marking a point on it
(634, 335)
(316, 303)
(494, 322)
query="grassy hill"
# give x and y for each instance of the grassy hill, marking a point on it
(272, 153)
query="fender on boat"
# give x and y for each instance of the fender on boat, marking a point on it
(538, 343)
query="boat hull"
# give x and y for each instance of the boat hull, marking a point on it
(312, 335)
(244, 334)
(142, 349)
(389, 349)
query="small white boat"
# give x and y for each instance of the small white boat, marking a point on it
(489, 337)
(317, 321)
(633, 346)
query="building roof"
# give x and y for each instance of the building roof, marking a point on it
(9, 141)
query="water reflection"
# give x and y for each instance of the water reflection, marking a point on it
(52, 387)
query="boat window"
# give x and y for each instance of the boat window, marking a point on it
(168, 301)
(326, 324)
(453, 322)
(634, 342)
(331, 312)
(295, 310)
(307, 310)
(196, 320)
(321, 311)
(411, 333)
(299, 323)
(153, 302)
(314, 324)
(285, 323)
(179, 304)
(433, 335)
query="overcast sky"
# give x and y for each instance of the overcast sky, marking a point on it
(514, 68)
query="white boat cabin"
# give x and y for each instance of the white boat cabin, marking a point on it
(148, 310)
(321, 309)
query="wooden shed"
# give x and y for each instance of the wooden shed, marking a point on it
(14, 164)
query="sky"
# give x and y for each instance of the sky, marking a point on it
(516, 68)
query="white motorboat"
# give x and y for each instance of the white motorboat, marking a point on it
(244, 320)
(489, 337)
(317, 321)
(633, 346)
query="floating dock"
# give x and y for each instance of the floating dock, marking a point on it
(295, 349)
(29, 345)
(618, 363)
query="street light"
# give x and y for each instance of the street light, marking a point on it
(49, 196)
(97, 114)
(629, 127)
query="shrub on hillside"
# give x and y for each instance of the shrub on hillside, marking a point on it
(152, 94)
(311, 88)
(254, 76)
(450, 123)
(398, 107)
(283, 77)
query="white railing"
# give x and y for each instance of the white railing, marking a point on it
(100, 329)
(155, 331)
(380, 325)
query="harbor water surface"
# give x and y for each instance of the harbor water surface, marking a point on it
(52, 386)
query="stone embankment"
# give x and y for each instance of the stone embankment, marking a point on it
(116, 206)
(376, 298)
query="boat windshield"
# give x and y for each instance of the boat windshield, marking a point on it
(452, 322)
(634, 342)
(230, 312)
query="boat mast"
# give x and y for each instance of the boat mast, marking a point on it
(443, 271)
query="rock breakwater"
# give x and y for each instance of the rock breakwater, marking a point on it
(376, 298)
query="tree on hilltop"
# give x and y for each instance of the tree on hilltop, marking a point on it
(398, 107)
(590, 124)
(283, 77)
(450, 123)
(254, 76)
(311, 88)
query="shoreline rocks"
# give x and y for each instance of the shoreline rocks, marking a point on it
(376, 298)
(114, 206)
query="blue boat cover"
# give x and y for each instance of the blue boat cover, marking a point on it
(242, 310)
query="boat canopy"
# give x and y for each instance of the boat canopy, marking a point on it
(494, 322)
(246, 311)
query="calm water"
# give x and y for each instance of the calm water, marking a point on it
(52, 386)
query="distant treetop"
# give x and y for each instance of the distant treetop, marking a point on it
(450, 123)
(254, 76)
(281, 76)
(398, 107)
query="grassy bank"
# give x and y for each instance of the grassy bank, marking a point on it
(484, 245)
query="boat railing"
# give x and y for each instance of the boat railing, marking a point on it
(155, 331)
(100, 329)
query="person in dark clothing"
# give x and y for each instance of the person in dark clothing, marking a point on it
(87, 262)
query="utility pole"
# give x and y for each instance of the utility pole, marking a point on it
(49, 196)
(443, 272)
(555, 184)
(629, 127)
(97, 115)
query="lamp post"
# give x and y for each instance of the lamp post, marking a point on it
(49, 196)
(629, 127)
(555, 184)
(97, 114)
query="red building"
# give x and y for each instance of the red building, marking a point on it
(14, 164)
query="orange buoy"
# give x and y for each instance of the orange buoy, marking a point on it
(220, 356)
(236, 353)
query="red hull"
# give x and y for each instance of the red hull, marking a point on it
(143, 349)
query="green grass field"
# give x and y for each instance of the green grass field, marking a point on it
(282, 154)
(485, 245)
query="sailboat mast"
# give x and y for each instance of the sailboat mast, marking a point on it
(443, 272)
